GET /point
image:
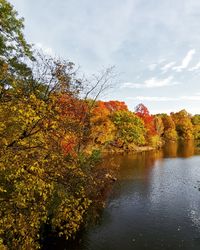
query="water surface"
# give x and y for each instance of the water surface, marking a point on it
(155, 203)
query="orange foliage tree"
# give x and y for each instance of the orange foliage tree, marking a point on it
(113, 106)
(101, 126)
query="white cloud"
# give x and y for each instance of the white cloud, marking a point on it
(186, 60)
(151, 83)
(196, 67)
(167, 66)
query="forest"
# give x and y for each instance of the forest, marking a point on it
(54, 130)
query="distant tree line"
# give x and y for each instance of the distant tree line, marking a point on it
(127, 130)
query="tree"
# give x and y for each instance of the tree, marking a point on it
(40, 182)
(129, 128)
(169, 128)
(44, 169)
(13, 46)
(142, 111)
(183, 124)
(158, 123)
(113, 106)
(196, 126)
(16, 56)
(101, 122)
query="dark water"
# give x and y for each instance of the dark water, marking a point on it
(155, 204)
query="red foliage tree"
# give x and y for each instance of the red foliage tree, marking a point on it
(72, 113)
(72, 107)
(142, 111)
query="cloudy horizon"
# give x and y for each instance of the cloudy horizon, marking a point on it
(154, 45)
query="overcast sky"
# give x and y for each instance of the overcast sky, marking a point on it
(154, 44)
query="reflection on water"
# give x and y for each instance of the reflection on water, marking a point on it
(183, 149)
(155, 204)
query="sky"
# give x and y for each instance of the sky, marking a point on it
(153, 44)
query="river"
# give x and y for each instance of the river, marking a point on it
(154, 204)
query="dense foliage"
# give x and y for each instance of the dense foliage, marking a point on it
(51, 135)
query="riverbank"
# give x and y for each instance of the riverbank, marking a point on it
(132, 149)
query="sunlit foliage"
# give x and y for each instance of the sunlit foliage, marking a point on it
(170, 133)
(183, 123)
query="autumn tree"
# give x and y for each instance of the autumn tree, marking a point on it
(169, 133)
(196, 126)
(94, 87)
(142, 112)
(102, 128)
(44, 172)
(44, 168)
(40, 183)
(184, 127)
(158, 124)
(113, 106)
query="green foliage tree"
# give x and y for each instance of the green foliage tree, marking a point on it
(16, 57)
(13, 46)
(129, 128)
